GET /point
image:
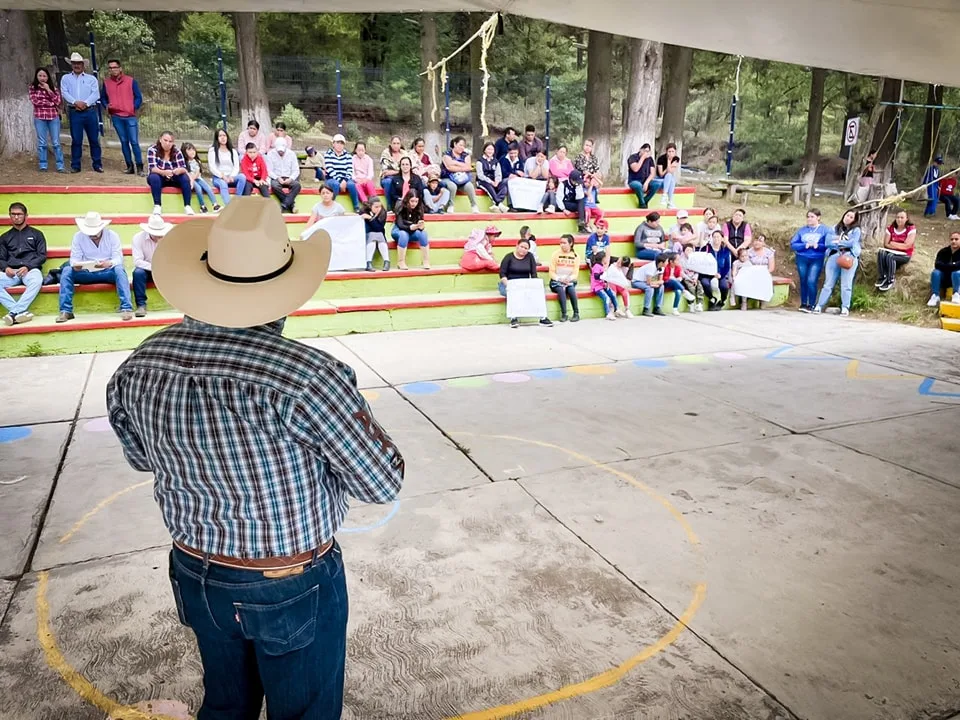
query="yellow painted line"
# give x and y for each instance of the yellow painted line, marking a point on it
(100, 506)
(83, 687)
(593, 369)
(853, 373)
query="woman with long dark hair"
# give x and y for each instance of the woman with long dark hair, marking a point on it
(45, 97)
(224, 163)
(408, 225)
(404, 182)
(899, 242)
(166, 167)
(843, 259)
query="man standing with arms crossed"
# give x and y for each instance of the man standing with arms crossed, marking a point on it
(122, 96)
(256, 442)
(81, 94)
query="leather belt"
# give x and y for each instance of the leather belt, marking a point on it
(272, 567)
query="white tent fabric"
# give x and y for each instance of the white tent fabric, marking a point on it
(903, 39)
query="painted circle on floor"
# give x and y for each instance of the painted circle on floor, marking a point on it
(650, 363)
(549, 374)
(512, 377)
(421, 388)
(12, 434)
(593, 369)
(101, 424)
(691, 359)
(730, 356)
(370, 395)
(469, 382)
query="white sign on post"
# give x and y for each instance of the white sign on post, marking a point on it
(348, 241)
(525, 298)
(852, 132)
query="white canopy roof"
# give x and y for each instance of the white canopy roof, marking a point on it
(904, 39)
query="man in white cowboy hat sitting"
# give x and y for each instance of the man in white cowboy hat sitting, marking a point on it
(257, 443)
(144, 245)
(96, 256)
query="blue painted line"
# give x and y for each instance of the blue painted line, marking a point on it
(421, 388)
(12, 434)
(394, 509)
(551, 374)
(650, 363)
(775, 355)
(926, 388)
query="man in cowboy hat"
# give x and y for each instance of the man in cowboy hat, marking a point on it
(96, 256)
(257, 443)
(144, 245)
(81, 93)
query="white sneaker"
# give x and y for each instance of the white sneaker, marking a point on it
(504, 208)
(611, 316)
(697, 307)
(475, 210)
(551, 209)
(933, 301)
(629, 314)
(671, 206)
(620, 313)
(955, 299)
(157, 210)
(844, 312)
(664, 202)
(495, 208)
(953, 217)
(817, 310)
(676, 311)
(188, 210)
(689, 296)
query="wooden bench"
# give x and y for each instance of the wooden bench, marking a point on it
(785, 194)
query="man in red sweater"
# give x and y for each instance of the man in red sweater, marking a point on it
(121, 95)
(254, 169)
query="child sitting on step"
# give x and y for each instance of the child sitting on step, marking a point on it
(600, 287)
(550, 201)
(593, 211)
(374, 216)
(195, 172)
(691, 281)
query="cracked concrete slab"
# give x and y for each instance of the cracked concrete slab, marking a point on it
(366, 377)
(30, 397)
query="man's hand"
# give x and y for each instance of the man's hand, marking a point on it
(80, 105)
(10, 272)
(22, 272)
(104, 265)
(343, 186)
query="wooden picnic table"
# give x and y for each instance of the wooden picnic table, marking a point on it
(785, 189)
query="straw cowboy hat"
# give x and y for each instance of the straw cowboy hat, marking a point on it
(156, 226)
(91, 224)
(240, 269)
(77, 58)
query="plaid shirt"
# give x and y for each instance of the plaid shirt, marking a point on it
(155, 163)
(46, 104)
(255, 441)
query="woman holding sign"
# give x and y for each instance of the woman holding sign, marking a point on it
(519, 265)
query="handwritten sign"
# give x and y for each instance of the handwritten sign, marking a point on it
(525, 298)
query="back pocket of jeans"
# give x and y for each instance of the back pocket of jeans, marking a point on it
(283, 627)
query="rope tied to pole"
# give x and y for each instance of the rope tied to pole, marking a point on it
(486, 33)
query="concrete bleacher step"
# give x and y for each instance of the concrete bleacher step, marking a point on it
(950, 315)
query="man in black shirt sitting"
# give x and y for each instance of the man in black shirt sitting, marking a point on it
(23, 251)
(641, 173)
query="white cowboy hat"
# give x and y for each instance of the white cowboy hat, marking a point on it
(91, 224)
(77, 57)
(239, 269)
(156, 226)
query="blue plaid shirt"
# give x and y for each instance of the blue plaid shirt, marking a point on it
(255, 440)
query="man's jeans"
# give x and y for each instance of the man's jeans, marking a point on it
(937, 284)
(128, 132)
(84, 122)
(140, 279)
(651, 295)
(112, 276)
(33, 281)
(280, 638)
(351, 190)
(48, 135)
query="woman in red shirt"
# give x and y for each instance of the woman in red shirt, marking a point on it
(46, 117)
(898, 244)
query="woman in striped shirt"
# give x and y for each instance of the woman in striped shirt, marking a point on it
(46, 118)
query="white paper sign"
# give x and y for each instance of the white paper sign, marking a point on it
(526, 194)
(703, 263)
(348, 241)
(525, 298)
(755, 282)
(614, 275)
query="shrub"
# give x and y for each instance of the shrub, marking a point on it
(295, 120)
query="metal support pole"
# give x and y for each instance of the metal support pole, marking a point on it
(223, 89)
(339, 101)
(546, 130)
(733, 125)
(446, 105)
(96, 74)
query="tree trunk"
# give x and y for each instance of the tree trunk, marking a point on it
(57, 40)
(17, 62)
(640, 123)
(859, 152)
(811, 153)
(931, 128)
(428, 91)
(596, 115)
(476, 86)
(872, 222)
(675, 100)
(254, 104)
(884, 137)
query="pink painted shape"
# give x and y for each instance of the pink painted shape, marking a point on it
(511, 378)
(101, 424)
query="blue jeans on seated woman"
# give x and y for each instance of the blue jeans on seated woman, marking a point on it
(808, 272)
(282, 638)
(645, 254)
(832, 271)
(403, 238)
(223, 187)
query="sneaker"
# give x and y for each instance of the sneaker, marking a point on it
(663, 201)
(495, 208)
(676, 311)
(804, 309)
(817, 310)
(955, 298)
(689, 296)
(619, 313)
(933, 301)
(369, 267)
(844, 312)
(887, 286)
(475, 210)
(514, 323)
(43, 169)
(671, 206)
(127, 315)
(551, 209)
(157, 210)
(564, 318)
(647, 312)
(9, 319)
(629, 314)
(576, 317)
(546, 322)
(611, 316)
(188, 211)
(203, 209)
(217, 208)
(61, 170)
(449, 208)
(386, 265)
(64, 316)
(880, 282)
(658, 311)
(141, 311)
(24, 317)
(504, 208)
(953, 217)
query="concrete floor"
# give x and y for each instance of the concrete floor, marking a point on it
(732, 516)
